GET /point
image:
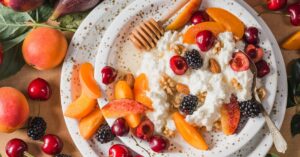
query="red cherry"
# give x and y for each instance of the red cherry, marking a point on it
(1, 54)
(159, 143)
(109, 75)
(52, 144)
(240, 62)
(276, 4)
(120, 127)
(119, 150)
(205, 40)
(16, 148)
(198, 17)
(255, 53)
(145, 130)
(178, 65)
(39, 89)
(251, 35)
(294, 12)
(262, 68)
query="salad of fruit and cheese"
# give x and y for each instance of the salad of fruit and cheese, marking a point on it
(198, 76)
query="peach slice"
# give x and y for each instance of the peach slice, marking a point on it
(230, 117)
(228, 20)
(140, 88)
(87, 81)
(292, 43)
(89, 124)
(122, 108)
(81, 107)
(123, 90)
(185, 15)
(190, 36)
(188, 132)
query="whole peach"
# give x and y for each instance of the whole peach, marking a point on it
(22, 5)
(44, 48)
(14, 109)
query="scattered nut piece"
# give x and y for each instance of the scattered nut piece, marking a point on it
(217, 125)
(129, 78)
(261, 92)
(182, 88)
(236, 84)
(176, 100)
(214, 66)
(168, 84)
(178, 49)
(201, 97)
(169, 133)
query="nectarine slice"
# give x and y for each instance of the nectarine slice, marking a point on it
(292, 43)
(87, 81)
(122, 108)
(230, 117)
(190, 36)
(81, 107)
(188, 132)
(185, 15)
(228, 20)
(89, 124)
(123, 90)
(133, 120)
(140, 88)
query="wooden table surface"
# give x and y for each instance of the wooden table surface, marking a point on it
(51, 109)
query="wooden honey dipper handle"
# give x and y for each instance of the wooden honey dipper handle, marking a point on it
(180, 4)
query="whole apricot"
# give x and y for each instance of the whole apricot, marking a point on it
(44, 48)
(14, 109)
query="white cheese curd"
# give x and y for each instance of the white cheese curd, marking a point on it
(218, 86)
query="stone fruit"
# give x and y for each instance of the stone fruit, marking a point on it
(255, 53)
(87, 81)
(185, 15)
(71, 6)
(22, 5)
(44, 48)
(1, 54)
(14, 109)
(123, 107)
(205, 40)
(228, 20)
(263, 68)
(240, 62)
(198, 17)
(109, 75)
(140, 88)
(230, 116)
(251, 35)
(292, 43)
(145, 130)
(294, 12)
(52, 144)
(16, 148)
(89, 125)
(188, 132)
(119, 150)
(159, 143)
(276, 4)
(81, 107)
(39, 89)
(190, 36)
(178, 65)
(120, 127)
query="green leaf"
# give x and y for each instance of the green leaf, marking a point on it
(272, 155)
(295, 125)
(42, 13)
(72, 21)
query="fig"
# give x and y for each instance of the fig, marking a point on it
(71, 6)
(22, 5)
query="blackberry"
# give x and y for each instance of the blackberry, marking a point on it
(104, 134)
(62, 155)
(188, 104)
(250, 108)
(37, 128)
(194, 59)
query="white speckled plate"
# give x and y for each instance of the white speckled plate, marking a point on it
(83, 48)
(114, 51)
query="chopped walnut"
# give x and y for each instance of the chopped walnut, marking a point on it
(201, 97)
(169, 133)
(178, 49)
(176, 100)
(168, 84)
(217, 48)
(236, 84)
(261, 92)
(217, 125)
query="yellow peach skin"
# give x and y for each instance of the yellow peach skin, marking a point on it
(292, 43)
(14, 109)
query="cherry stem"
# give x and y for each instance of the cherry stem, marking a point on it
(26, 154)
(259, 4)
(272, 12)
